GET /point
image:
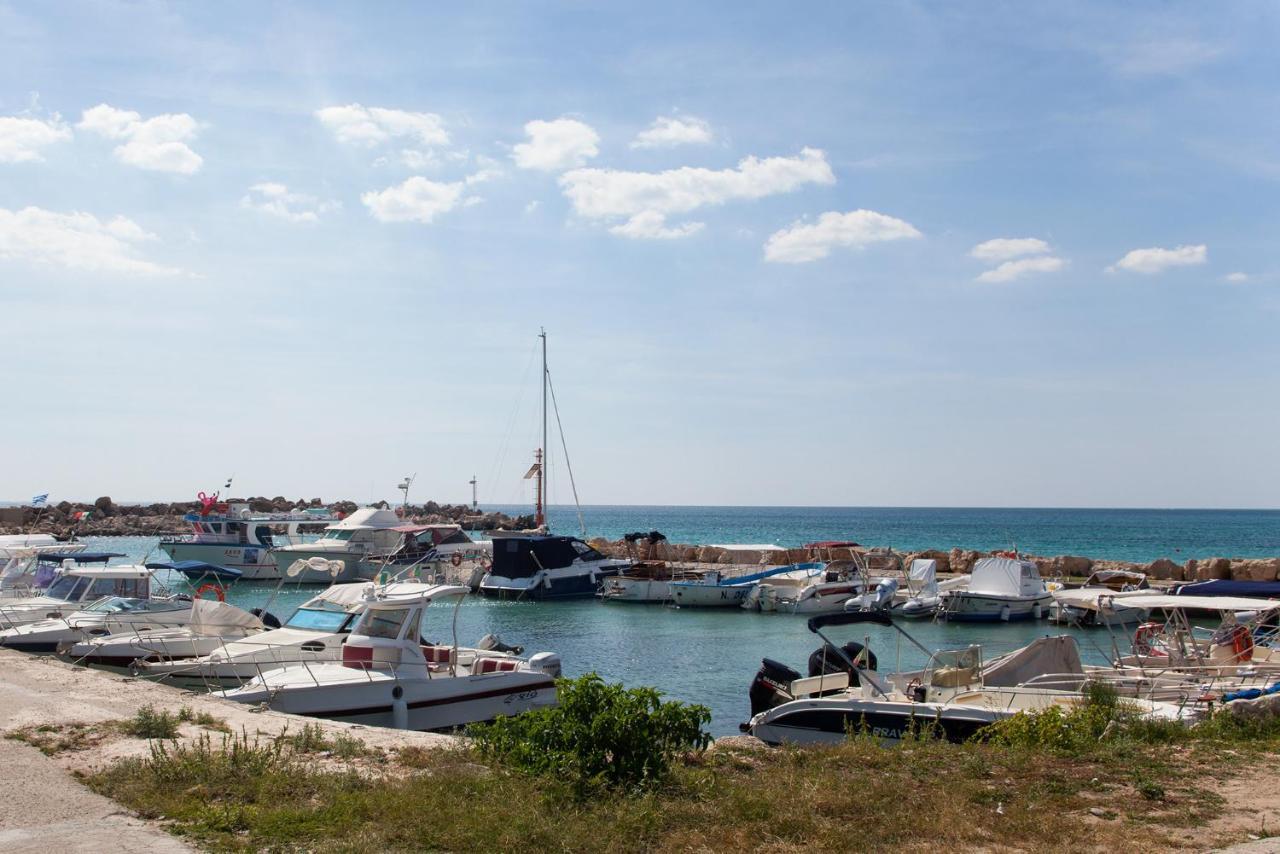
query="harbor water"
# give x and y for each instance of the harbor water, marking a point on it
(710, 656)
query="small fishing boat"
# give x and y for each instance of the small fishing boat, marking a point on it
(715, 590)
(232, 535)
(953, 697)
(1001, 589)
(389, 676)
(533, 568)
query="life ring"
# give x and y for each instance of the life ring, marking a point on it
(456, 560)
(1242, 643)
(1143, 637)
(216, 589)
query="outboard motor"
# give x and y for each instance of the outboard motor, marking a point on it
(826, 659)
(493, 643)
(772, 686)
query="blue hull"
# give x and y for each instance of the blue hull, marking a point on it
(570, 587)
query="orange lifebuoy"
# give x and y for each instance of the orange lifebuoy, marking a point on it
(456, 560)
(217, 590)
(1142, 639)
(1242, 643)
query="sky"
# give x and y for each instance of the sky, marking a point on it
(886, 254)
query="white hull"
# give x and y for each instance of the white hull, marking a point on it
(623, 589)
(442, 702)
(968, 606)
(254, 562)
(710, 595)
(156, 646)
(236, 663)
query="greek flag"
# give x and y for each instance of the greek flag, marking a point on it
(40, 500)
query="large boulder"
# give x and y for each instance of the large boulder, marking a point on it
(962, 560)
(1255, 569)
(1213, 569)
(1164, 569)
(709, 554)
(104, 507)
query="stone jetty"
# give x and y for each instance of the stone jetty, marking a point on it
(105, 518)
(955, 560)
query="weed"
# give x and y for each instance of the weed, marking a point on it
(188, 715)
(150, 724)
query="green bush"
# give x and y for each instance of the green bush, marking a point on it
(1102, 714)
(148, 723)
(598, 735)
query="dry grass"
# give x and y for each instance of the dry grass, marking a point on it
(241, 796)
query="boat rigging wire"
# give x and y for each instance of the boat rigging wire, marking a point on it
(572, 485)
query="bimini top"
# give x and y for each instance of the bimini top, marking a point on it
(427, 594)
(198, 569)
(1223, 587)
(1195, 603)
(367, 518)
(349, 595)
(524, 557)
(124, 570)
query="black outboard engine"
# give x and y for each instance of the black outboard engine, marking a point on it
(826, 659)
(772, 686)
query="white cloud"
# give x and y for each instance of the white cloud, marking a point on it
(417, 199)
(355, 124)
(651, 225)
(158, 143)
(555, 145)
(611, 194)
(1236, 278)
(276, 199)
(22, 138)
(1164, 56)
(668, 132)
(1155, 259)
(77, 241)
(1005, 248)
(804, 242)
(1010, 270)
(531, 207)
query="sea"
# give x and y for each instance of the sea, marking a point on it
(709, 657)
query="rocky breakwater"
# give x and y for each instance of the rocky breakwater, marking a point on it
(105, 518)
(956, 560)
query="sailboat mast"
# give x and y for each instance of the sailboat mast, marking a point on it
(542, 469)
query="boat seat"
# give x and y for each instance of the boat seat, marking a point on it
(359, 657)
(437, 654)
(811, 685)
(494, 665)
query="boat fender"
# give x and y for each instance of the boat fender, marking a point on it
(456, 560)
(268, 619)
(215, 589)
(399, 708)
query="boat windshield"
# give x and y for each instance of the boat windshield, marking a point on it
(340, 536)
(68, 588)
(116, 605)
(382, 622)
(318, 619)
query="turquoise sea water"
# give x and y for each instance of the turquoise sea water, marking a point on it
(710, 656)
(1135, 535)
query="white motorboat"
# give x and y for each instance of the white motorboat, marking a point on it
(647, 581)
(715, 590)
(825, 593)
(440, 552)
(1242, 644)
(1001, 589)
(68, 582)
(18, 564)
(367, 532)
(315, 632)
(533, 568)
(212, 625)
(389, 677)
(232, 535)
(106, 616)
(953, 697)
(1096, 602)
(925, 597)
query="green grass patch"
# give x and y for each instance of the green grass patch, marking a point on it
(150, 724)
(203, 719)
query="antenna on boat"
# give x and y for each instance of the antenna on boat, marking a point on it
(404, 487)
(475, 505)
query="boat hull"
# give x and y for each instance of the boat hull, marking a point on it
(254, 562)
(970, 607)
(353, 565)
(710, 595)
(815, 722)
(557, 584)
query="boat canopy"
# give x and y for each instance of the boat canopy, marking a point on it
(924, 575)
(198, 569)
(524, 557)
(1048, 656)
(1169, 602)
(210, 613)
(367, 518)
(357, 592)
(425, 595)
(1223, 587)
(78, 557)
(121, 571)
(1002, 576)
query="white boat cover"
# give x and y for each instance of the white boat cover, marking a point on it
(1087, 597)
(367, 518)
(1202, 603)
(1002, 576)
(209, 615)
(1043, 656)
(357, 592)
(924, 576)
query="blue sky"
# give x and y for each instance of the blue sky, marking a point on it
(859, 253)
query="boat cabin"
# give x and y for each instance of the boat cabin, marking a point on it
(1002, 576)
(240, 527)
(88, 583)
(387, 635)
(524, 557)
(418, 542)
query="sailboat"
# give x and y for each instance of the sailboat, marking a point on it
(536, 564)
